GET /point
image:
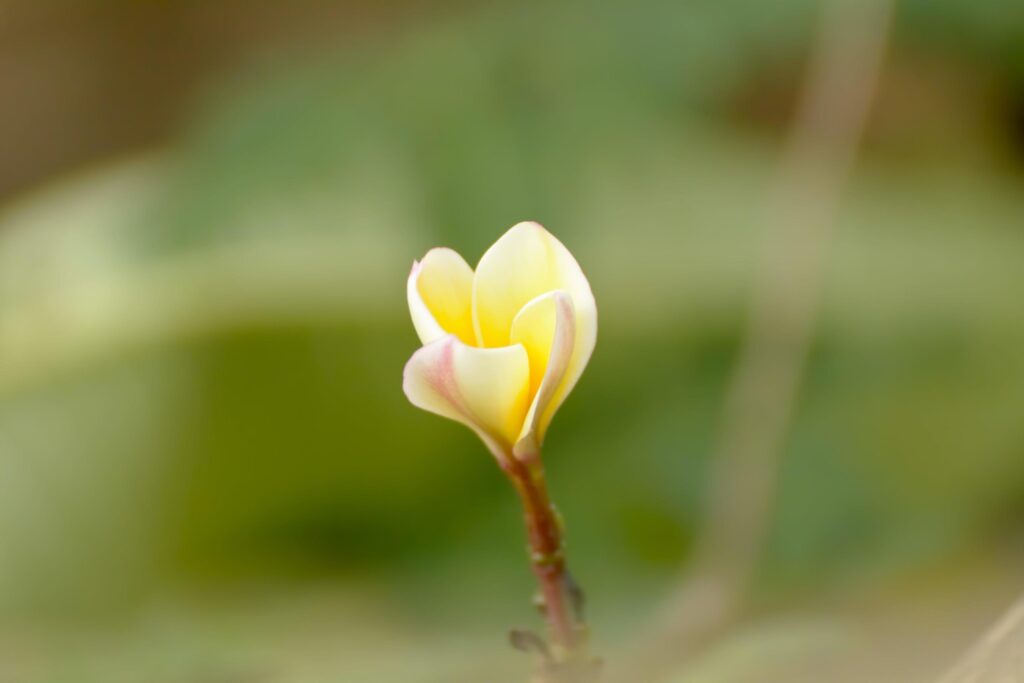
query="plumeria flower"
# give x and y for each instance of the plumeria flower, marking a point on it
(502, 345)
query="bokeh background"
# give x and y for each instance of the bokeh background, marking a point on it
(208, 471)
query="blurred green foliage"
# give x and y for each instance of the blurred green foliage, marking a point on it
(200, 353)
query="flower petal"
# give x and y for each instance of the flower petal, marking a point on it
(485, 389)
(546, 327)
(528, 261)
(440, 291)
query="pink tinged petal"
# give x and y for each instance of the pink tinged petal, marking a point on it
(583, 348)
(484, 389)
(546, 328)
(440, 296)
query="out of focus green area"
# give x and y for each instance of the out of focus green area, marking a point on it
(208, 471)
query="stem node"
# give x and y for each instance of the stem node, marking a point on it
(559, 598)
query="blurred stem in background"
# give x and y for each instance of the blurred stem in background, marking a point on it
(565, 660)
(998, 657)
(762, 394)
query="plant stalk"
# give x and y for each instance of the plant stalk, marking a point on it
(559, 598)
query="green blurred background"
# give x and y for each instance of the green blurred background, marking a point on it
(208, 471)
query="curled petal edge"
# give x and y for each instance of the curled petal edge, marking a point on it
(546, 327)
(449, 273)
(484, 389)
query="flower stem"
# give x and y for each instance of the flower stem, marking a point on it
(559, 597)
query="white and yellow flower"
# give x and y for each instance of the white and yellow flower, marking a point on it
(502, 345)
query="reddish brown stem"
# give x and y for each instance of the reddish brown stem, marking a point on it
(544, 536)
